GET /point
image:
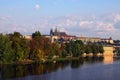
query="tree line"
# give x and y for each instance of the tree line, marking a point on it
(15, 47)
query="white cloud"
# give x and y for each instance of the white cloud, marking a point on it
(85, 23)
(70, 22)
(37, 6)
(104, 26)
(117, 17)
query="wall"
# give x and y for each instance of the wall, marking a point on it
(108, 50)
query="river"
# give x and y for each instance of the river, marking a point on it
(91, 68)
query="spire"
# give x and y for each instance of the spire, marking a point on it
(56, 30)
(51, 31)
(110, 38)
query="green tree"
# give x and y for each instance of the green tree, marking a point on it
(6, 52)
(18, 52)
(75, 47)
(69, 47)
(25, 45)
(79, 46)
(55, 49)
(64, 53)
(37, 33)
(20, 46)
(101, 50)
(95, 49)
(88, 49)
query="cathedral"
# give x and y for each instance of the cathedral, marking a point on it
(58, 36)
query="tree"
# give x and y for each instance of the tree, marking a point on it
(101, 50)
(118, 52)
(17, 34)
(37, 54)
(75, 47)
(37, 33)
(55, 49)
(80, 47)
(20, 46)
(69, 47)
(25, 45)
(95, 49)
(79, 42)
(88, 49)
(6, 52)
(39, 47)
(64, 53)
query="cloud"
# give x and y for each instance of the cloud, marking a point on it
(85, 23)
(97, 26)
(37, 6)
(116, 17)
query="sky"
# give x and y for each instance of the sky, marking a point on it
(87, 18)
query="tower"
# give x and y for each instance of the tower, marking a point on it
(51, 32)
(56, 32)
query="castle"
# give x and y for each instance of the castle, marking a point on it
(58, 36)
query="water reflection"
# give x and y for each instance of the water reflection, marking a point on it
(14, 71)
(108, 58)
(17, 71)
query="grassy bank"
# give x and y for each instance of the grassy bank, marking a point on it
(59, 59)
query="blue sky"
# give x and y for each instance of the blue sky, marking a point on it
(94, 18)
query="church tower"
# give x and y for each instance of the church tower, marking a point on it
(51, 32)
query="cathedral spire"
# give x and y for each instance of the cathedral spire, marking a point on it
(56, 30)
(51, 31)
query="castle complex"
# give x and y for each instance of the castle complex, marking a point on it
(57, 36)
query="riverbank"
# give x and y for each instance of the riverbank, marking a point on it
(27, 61)
(54, 60)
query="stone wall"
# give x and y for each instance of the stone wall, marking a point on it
(108, 50)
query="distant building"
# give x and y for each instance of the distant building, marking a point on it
(58, 36)
(95, 40)
(107, 40)
(89, 39)
(29, 37)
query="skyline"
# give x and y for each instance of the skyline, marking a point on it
(91, 18)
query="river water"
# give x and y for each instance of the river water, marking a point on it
(91, 68)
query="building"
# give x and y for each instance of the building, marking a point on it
(89, 39)
(95, 40)
(107, 40)
(58, 36)
(29, 37)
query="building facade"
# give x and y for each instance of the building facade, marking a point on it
(58, 36)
